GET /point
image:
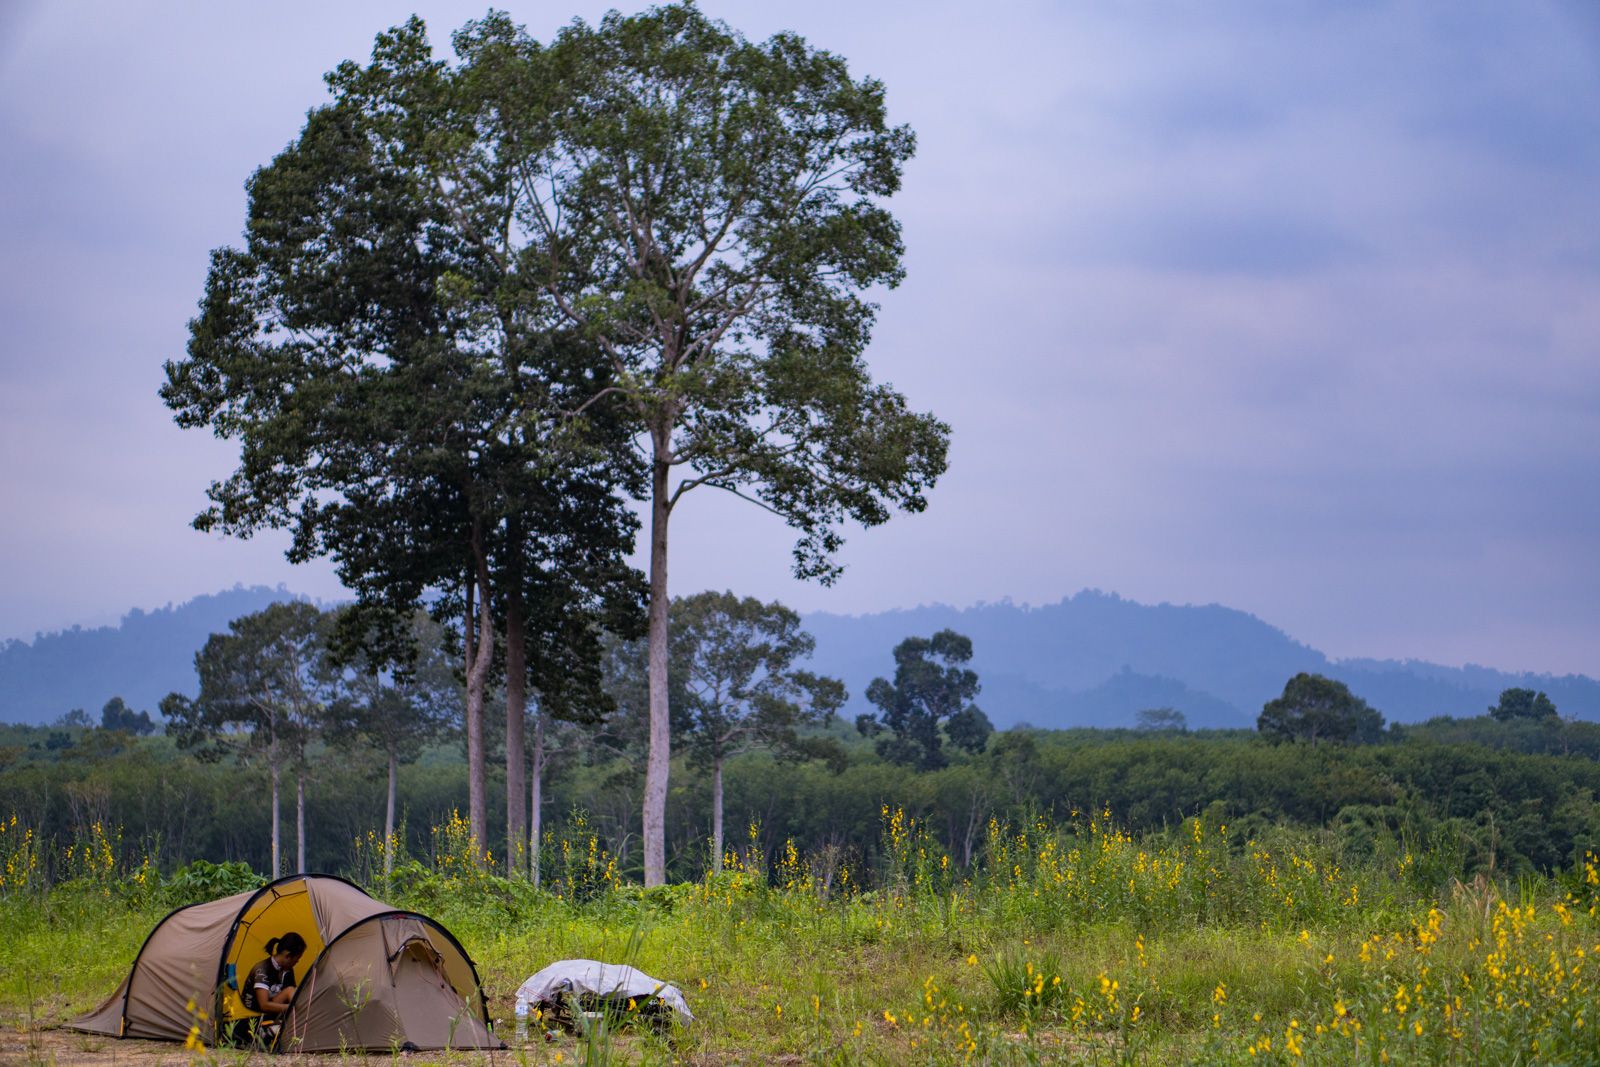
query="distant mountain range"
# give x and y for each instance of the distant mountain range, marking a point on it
(1093, 659)
(142, 659)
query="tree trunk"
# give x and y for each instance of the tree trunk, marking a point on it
(300, 819)
(516, 710)
(974, 821)
(388, 815)
(277, 832)
(536, 798)
(716, 816)
(657, 764)
(477, 682)
(469, 651)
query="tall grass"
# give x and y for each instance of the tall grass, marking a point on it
(1070, 940)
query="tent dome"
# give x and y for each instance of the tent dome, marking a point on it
(372, 976)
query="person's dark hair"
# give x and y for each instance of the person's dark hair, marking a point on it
(291, 942)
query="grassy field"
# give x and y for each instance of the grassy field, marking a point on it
(1071, 942)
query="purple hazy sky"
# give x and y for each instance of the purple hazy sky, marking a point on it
(1293, 307)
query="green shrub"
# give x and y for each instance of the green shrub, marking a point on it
(201, 880)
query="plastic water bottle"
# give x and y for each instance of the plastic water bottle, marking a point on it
(522, 1017)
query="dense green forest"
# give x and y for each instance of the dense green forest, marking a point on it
(1463, 796)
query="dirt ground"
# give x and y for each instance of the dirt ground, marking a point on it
(68, 1048)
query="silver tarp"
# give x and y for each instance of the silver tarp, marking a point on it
(613, 981)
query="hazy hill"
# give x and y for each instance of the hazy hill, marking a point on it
(142, 659)
(1093, 659)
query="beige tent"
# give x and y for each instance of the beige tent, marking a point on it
(372, 977)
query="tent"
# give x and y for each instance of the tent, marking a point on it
(372, 977)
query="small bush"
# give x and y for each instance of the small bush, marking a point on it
(201, 880)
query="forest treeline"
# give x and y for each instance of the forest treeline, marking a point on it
(1459, 796)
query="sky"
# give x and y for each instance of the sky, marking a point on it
(1292, 307)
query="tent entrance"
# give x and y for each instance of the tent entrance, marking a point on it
(279, 909)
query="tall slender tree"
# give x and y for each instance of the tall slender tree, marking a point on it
(736, 660)
(711, 214)
(395, 706)
(260, 691)
(571, 687)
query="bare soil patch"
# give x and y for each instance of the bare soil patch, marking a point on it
(68, 1048)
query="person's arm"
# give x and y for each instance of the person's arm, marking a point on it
(265, 1003)
(269, 1003)
(278, 1004)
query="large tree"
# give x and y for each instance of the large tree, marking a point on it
(1519, 703)
(736, 663)
(928, 703)
(1316, 709)
(711, 214)
(407, 400)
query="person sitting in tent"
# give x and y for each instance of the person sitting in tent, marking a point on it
(170, 989)
(269, 986)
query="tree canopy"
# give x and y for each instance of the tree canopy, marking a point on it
(1519, 703)
(405, 401)
(928, 703)
(1315, 709)
(1161, 720)
(479, 301)
(116, 715)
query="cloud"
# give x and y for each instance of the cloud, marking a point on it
(1290, 306)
